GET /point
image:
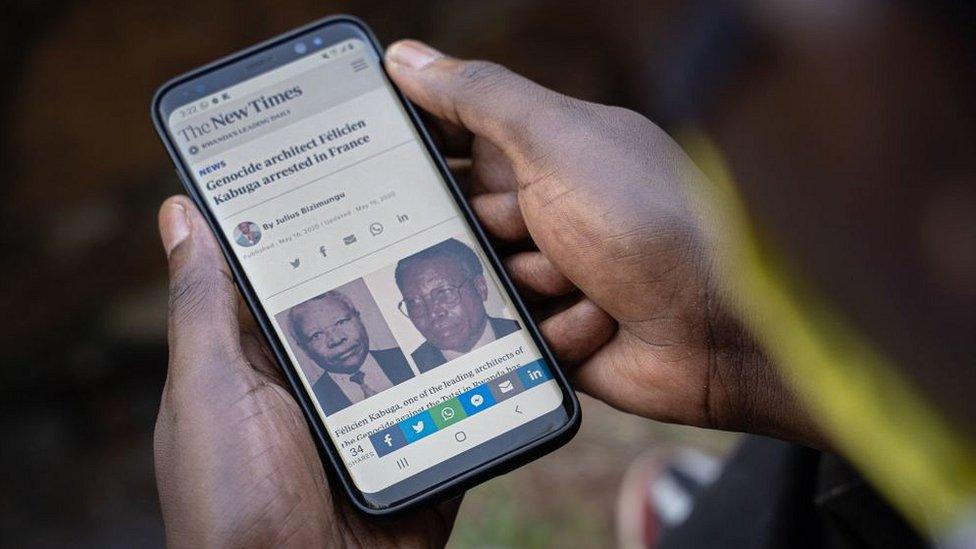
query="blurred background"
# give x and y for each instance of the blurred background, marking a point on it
(850, 131)
(84, 297)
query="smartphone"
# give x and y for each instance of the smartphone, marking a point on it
(414, 361)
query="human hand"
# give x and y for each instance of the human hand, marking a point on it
(235, 462)
(593, 197)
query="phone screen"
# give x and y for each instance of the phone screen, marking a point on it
(414, 355)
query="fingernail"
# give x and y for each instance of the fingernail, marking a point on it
(413, 54)
(174, 226)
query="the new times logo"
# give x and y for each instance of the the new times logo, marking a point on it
(228, 119)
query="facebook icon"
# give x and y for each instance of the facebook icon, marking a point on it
(387, 440)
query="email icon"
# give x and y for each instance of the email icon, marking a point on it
(505, 387)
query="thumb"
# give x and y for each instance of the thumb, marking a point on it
(485, 98)
(202, 297)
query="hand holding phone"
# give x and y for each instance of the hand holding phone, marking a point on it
(603, 194)
(235, 463)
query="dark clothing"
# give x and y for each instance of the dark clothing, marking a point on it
(391, 361)
(775, 494)
(428, 357)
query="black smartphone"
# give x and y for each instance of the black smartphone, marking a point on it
(416, 365)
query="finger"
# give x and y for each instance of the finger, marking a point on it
(578, 332)
(463, 174)
(544, 308)
(535, 275)
(627, 374)
(649, 380)
(487, 171)
(451, 139)
(493, 170)
(203, 320)
(485, 98)
(500, 215)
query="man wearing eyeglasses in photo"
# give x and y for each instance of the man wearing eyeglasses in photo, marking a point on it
(444, 292)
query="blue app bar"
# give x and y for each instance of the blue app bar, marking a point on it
(474, 400)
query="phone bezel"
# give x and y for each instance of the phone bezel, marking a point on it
(497, 465)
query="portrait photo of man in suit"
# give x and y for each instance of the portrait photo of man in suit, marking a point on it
(330, 331)
(444, 292)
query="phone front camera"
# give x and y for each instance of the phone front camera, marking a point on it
(300, 48)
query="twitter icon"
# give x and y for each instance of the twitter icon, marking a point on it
(418, 426)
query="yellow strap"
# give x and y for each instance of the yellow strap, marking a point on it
(879, 421)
